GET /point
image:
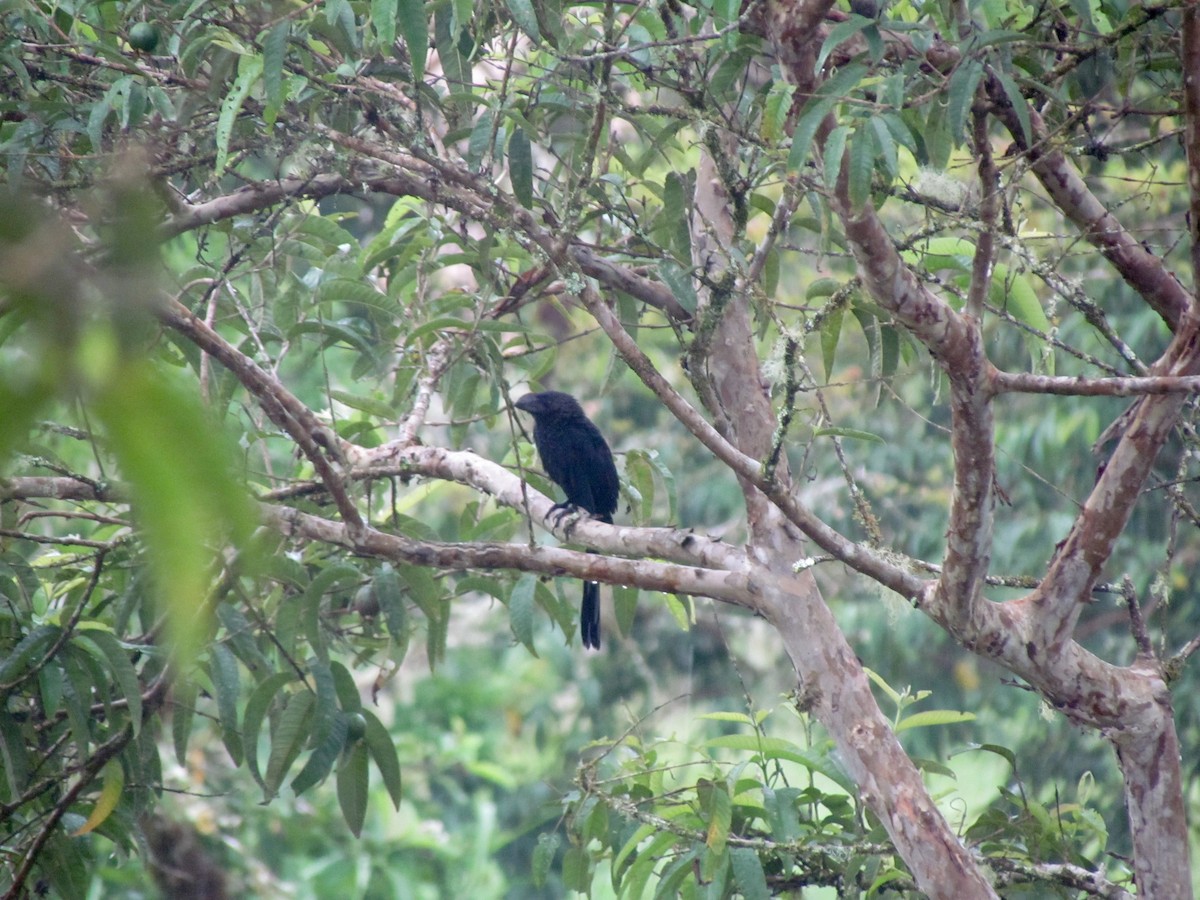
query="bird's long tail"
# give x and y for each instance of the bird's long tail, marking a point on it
(589, 615)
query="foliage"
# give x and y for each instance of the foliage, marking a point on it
(267, 271)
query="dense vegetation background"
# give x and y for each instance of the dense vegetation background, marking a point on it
(270, 277)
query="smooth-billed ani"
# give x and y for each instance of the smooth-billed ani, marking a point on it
(575, 455)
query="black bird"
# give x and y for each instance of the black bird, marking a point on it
(575, 455)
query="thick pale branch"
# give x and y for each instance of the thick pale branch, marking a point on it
(60, 487)
(254, 197)
(834, 685)
(729, 587)
(1072, 386)
(686, 547)
(984, 263)
(956, 342)
(1149, 757)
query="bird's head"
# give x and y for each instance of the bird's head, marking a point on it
(550, 405)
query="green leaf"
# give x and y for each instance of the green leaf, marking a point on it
(576, 873)
(342, 574)
(520, 167)
(879, 681)
(638, 876)
(77, 695)
(855, 433)
(113, 97)
(889, 874)
(833, 155)
(889, 351)
(226, 680)
(415, 29)
(327, 711)
(782, 814)
(885, 143)
(289, 738)
(720, 817)
(831, 332)
(639, 463)
(185, 496)
(672, 878)
(437, 631)
(838, 35)
(425, 590)
(383, 751)
(1015, 294)
(256, 710)
(520, 610)
(748, 874)
(325, 754)
(805, 131)
(383, 20)
(274, 50)
(899, 130)
(183, 711)
(240, 638)
(679, 280)
(631, 844)
(353, 780)
(113, 785)
(381, 409)
(778, 748)
(726, 716)
(676, 216)
(109, 649)
(934, 717)
(345, 688)
(625, 600)
(543, 856)
(525, 17)
(681, 610)
(817, 108)
(65, 867)
(934, 767)
(936, 137)
(941, 254)
(639, 476)
(250, 69)
(479, 145)
(390, 597)
(1013, 92)
(963, 84)
(862, 168)
(14, 756)
(454, 67)
(28, 649)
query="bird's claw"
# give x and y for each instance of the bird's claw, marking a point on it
(560, 511)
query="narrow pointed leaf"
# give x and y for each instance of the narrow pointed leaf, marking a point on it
(110, 795)
(353, 780)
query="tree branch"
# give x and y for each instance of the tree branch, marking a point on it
(1142, 270)
(1089, 544)
(729, 587)
(283, 408)
(1080, 386)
